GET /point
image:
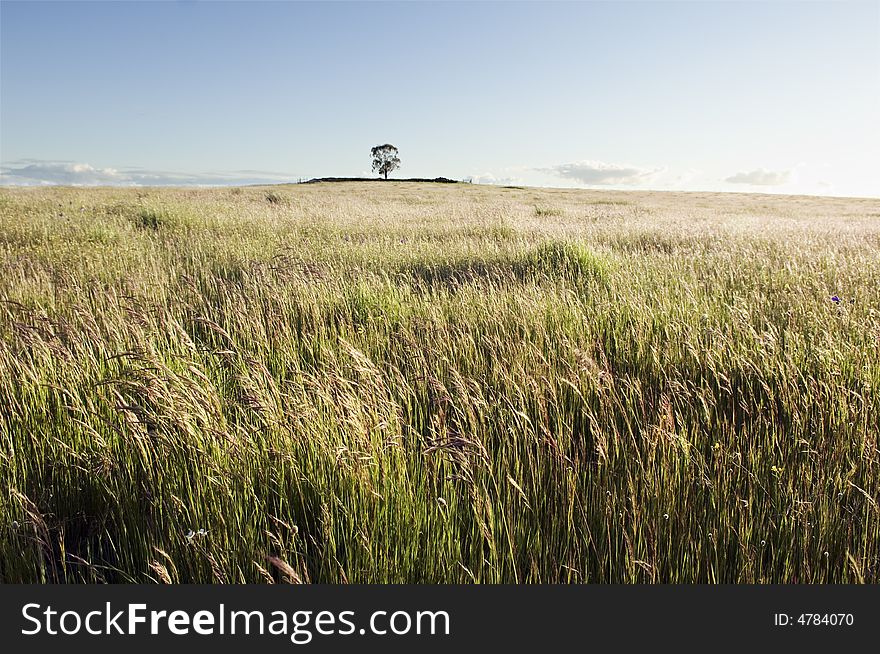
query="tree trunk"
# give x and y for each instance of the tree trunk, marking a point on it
(386, 174)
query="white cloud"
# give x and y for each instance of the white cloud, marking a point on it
(761, 177)
(50, 172)
(686, 178)
(43, 173)
(489, 178)
(601, 173)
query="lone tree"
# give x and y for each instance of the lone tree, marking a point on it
(385, 159)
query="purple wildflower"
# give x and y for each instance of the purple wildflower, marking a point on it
(835, 299)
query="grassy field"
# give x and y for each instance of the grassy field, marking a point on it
(428, 383)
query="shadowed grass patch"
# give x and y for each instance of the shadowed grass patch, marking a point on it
(276, 199)
(548, 262)
(154, 219)
(546, 212)
(458, 272)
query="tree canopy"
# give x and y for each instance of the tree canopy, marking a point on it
(385, 159)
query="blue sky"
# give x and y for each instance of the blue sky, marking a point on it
(741, 96)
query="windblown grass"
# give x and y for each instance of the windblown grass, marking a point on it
(419, 383)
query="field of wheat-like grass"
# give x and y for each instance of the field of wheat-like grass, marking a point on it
(435, 383)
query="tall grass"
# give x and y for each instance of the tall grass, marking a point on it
(418, 383)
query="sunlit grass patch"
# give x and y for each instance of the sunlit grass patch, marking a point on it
(569, 260)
